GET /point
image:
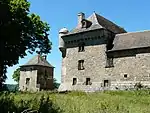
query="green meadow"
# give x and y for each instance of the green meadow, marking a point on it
(78, 102)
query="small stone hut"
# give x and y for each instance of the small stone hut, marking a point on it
(36, 75)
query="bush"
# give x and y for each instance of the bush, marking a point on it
(42, 104)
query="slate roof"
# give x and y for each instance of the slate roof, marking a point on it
(99, 22)
(131, 40)
(38, 61)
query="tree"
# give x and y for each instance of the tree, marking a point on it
(20, 32)
(16, 77)
(56, 84)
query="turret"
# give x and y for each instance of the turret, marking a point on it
(62, 32)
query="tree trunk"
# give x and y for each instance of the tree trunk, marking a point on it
(1, 63)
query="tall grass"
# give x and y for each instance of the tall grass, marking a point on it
(79, 102)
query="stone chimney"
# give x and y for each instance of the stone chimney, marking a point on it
(81, 16)
(44, 56)
(39, 57)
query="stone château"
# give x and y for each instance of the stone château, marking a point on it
(36, 75)
(99, 55)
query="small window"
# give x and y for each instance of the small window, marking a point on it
(74, 81)
(88, 81)
(84, 24)
(80, 64)
(109, 62)
(106, 83)
(27, 81)
(125, 75)
(81, 47)
(46, 74)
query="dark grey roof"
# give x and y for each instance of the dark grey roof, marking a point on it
(105, 23)
(131, 40)
(38, 60)
(99, 22)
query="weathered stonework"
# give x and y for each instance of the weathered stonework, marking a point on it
(130, 66)
(36, 76)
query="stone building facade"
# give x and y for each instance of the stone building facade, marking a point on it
(99, 55)
(36, 75)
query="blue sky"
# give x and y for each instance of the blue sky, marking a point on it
(133, 15)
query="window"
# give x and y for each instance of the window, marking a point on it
(45, 73)
(74, 81)
(81, 47)
(84, 24)
(106, 83)
(80, 65)
(109, 62)
(27, 81)
(125, 75)
(88, 81)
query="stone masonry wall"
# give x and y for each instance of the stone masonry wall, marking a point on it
(129, 67)
(45, 78)
(94, 63)
(137, 69)
(33, 80)
(94, 58)
(38, 79)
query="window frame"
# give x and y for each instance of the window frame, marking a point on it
(108, 83)
(125, 75)
(74, 82)
(81, 47)
(27, 81)
(88, 81)
(109, 62)
(80, 64)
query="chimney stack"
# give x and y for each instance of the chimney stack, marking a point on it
(44, 56)
(81, 16)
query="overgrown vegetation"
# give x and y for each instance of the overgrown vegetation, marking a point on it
(40, 103)
(137, 101)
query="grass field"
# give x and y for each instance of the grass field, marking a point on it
(80, 102)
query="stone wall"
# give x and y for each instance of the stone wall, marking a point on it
(136, 67)
(45, 78)
(94, 58)
(38, 79)
(130, 66)
(33, 80)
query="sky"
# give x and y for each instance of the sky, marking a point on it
(132, 15)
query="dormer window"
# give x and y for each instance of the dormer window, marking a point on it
(86, 23)
(81, 47)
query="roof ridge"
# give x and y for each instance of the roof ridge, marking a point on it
(141, 31)
(38, 60)
(108, 20)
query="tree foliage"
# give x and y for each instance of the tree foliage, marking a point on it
(20, 32)
(16, 75)
(56, 84)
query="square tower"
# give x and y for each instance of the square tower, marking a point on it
(84, 52)
(36, 75)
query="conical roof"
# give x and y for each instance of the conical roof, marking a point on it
(38, 60)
